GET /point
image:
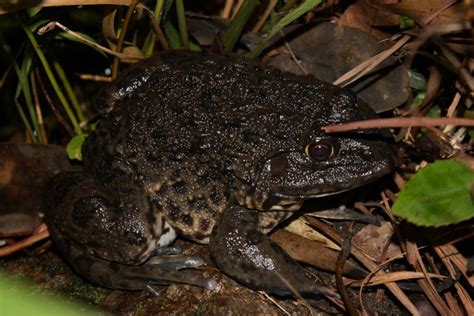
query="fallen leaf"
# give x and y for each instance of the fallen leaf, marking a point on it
(328, 51)
(372, 240)
(314, 253)
(24, 171)
(366, 17)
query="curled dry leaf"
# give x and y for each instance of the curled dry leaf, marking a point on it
(314, 253)
(300, 227)
(366, 17)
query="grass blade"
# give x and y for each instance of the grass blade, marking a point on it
(283, 22)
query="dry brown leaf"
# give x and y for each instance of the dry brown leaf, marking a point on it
(313, 253)
(372, 240)
(300, 227)
(418, 10)
(365, 17)
(394, 277)
(24, 171)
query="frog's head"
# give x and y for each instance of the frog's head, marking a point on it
(320, 164)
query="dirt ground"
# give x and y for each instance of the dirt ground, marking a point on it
(51, 276)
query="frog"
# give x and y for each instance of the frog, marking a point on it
(218, 150)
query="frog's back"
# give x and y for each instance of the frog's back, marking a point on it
(192, 128)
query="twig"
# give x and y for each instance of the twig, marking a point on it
(264, 16)
(51, 25)
(43, 233)
(271, 299)
(121, 38)
(397, 122)
(393, 287)
(341, 260)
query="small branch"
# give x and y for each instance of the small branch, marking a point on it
(7, 250)
(397, 122)
(121, 38)
(51, 25)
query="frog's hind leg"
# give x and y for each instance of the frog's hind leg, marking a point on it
(158, 270)
(115, 242)
(246, 254)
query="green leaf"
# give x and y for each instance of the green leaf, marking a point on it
(237, 24)
(50, 75)
(172, 35)
(435, 111)
(437, 195)
(19, 299)
(406, 22)
(417, 81)
(471, 133)
(418, 100)
(183, 32)
(294, 14)
(74, 147)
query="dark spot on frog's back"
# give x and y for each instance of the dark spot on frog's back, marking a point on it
(180, 187)
(187, 219)
(173, 210)
(204, 224)
(203, 180)
(216, 195)
(198, 204)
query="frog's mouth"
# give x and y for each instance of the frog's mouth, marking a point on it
(305, 193)
(298, 196)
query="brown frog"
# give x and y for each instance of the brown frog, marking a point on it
(215, 149)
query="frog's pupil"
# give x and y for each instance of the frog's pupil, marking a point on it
(320, 151)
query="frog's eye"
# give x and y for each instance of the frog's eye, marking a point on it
(320, 150)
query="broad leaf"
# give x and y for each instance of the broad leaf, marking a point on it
(437, 195)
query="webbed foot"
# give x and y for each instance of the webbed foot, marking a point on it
(160, 270)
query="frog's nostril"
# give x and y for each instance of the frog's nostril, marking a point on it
(367, 153)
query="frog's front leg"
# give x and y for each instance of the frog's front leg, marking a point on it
(246, 254)
(111, 234)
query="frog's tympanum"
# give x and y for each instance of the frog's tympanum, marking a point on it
(215, 149)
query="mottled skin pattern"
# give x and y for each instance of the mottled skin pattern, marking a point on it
(187, 137)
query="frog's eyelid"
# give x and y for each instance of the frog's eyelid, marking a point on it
(269, 155)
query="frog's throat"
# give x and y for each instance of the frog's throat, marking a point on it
(286, 202)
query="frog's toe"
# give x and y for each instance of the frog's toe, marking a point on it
(168, 263)
(158, 270)
(168, 251)
(187, 277)
(170, 266)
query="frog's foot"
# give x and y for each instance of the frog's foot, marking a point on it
(161, 270)
(240, 250)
